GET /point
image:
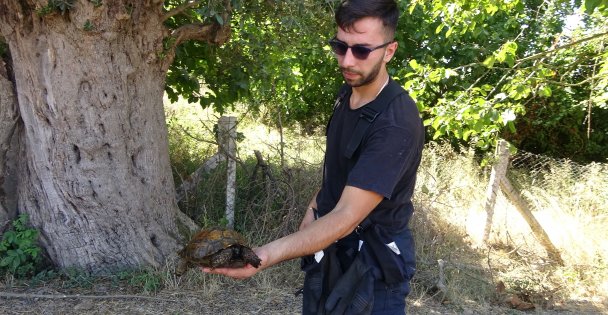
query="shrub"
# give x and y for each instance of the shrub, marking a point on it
(19, 253)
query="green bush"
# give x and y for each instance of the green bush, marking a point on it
(19, 252)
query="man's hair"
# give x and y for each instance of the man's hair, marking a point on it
(350, 11)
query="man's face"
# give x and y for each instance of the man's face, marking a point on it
(368, 32)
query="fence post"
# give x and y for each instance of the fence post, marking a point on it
(499, 169)
(524, 209)
(227, 143)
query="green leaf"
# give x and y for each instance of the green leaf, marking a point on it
(491, 8)
(15, 264)
(511, 126)
(437, 134)
(437, 122)
(414, 64)
(436, 75)
(591, 5)
(439, 28)
(489, 62)
(412, 7)
(546, 91)
(6, 261)
(449, 32)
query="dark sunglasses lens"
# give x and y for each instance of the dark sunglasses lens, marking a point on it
(338, 47)
(360, 52)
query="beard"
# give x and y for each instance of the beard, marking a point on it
(365, 78)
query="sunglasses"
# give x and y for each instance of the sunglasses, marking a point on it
(360, 52)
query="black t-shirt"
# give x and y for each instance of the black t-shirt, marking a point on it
(385, 162)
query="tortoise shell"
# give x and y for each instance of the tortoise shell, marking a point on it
(217, 248)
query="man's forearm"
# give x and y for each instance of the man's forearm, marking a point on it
(312, 238)
(354, 205)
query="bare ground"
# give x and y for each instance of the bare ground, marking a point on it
(245, 297)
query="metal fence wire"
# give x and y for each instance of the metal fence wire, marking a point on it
(578, 187)
(568, 200)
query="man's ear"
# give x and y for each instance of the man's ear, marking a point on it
(390, 51)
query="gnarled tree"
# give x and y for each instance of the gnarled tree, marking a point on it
(93, 171)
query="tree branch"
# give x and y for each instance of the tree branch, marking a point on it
(550, 51)
(181, 8)
(210, 33)
(213, 33)
(540, 54)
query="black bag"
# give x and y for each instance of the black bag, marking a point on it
(341, 283)
(354, 291)
(321, 278)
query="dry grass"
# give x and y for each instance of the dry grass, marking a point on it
(457, 274)
(448, 223)
(451, 198)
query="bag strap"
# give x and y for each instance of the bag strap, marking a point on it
(369, 113)
(342, 93)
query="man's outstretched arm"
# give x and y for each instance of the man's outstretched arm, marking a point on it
(354, 205)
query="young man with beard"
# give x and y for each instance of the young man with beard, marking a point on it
(357, 249)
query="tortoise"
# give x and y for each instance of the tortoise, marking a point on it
(215, 248)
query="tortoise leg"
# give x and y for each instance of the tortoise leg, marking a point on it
(222, 258)
(250, 257)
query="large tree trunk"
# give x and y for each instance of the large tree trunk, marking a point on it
(9, 121)
(95, 179)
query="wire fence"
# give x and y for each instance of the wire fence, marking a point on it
(576, 187)
(569, 201)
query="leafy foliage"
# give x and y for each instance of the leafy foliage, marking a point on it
(19, 253)
(478, 69)
(275, 58)
(478, 73)
(600, 5)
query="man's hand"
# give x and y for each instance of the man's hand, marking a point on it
(244, 272)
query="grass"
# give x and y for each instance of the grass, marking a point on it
(454, 267)
(448, 224)
(452, 195)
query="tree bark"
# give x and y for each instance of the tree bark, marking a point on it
(95, 180)
(9, 145)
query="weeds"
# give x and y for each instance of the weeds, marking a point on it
(62, 6)
(148, 281)
(19, 251)
(77, 278)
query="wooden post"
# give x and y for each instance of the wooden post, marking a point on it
(227, 143)
(499, 169)
(195, 178)
(524, 209)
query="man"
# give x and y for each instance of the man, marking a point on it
(365, 198)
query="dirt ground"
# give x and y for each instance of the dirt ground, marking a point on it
(238, 298)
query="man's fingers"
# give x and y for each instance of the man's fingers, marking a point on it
(236, 273)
